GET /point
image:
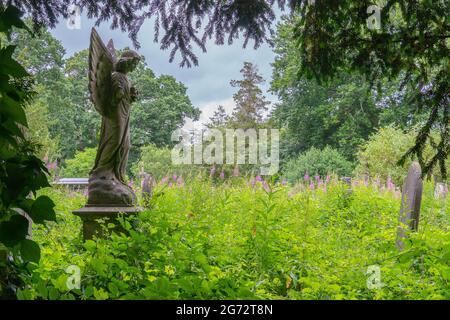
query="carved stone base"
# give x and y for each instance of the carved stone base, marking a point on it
(90, 214)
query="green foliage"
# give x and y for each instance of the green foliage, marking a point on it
(21, 172)
(281, 243)
(410, 43)
(316, 161)
(379, 156)
(341, 113)
(80, 165)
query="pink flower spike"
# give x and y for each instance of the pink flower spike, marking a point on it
(222, 175)
(266, 186)
(258, 178)
(311, 185)
(306, 177)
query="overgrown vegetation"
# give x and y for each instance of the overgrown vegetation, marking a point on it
(281, 242)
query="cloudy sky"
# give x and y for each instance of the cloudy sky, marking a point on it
(208, 83)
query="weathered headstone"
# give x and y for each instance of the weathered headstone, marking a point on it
(440, 190)
(410, 207)
(112, 96)
(146, 187)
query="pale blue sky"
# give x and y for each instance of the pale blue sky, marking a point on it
(208, 83)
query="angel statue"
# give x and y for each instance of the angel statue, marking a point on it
(112, 95)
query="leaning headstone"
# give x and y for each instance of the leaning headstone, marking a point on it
(411, 199)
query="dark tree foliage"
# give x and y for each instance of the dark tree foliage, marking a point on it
(182, 22)
(21, 172)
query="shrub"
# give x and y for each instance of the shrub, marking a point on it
(80, 165)
(379, 156)
(315, 161)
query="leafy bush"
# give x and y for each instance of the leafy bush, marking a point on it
(380, 155)
(280, 244)
(80, 165)
(315, 161)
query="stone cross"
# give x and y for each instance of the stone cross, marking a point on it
(411, 199)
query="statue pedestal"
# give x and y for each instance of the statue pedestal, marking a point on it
(90, 214)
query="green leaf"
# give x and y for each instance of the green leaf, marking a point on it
(14, 230)
(11, 17)
(30, 251)
(13, 109)
(42, 210)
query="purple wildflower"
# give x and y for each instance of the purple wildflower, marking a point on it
(174, 177)
(283, 182)
(253, 182)
(317, 177)
(222, 175)
(311, 185)
(266, 186)
(258, 178)
(306, 177)
(213, 170)
(327, 179)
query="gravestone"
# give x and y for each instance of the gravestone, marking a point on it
(112, 95)
(410, 207)
(440, 190)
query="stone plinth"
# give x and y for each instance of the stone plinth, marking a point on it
(90, 214)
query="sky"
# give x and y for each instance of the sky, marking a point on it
(208, 83)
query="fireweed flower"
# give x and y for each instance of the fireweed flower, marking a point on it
(306, 177)
(311, 185)
(212, 171)
(174, 177)
(317, 177)
(327, 179)
(170, 184)
(389, 184)
(266, 186)
(222, 175)
(258, 178)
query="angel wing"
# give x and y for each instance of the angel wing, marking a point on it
(101, 65)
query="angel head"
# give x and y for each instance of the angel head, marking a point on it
(128, 61)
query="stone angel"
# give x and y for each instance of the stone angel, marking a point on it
(112, 95)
